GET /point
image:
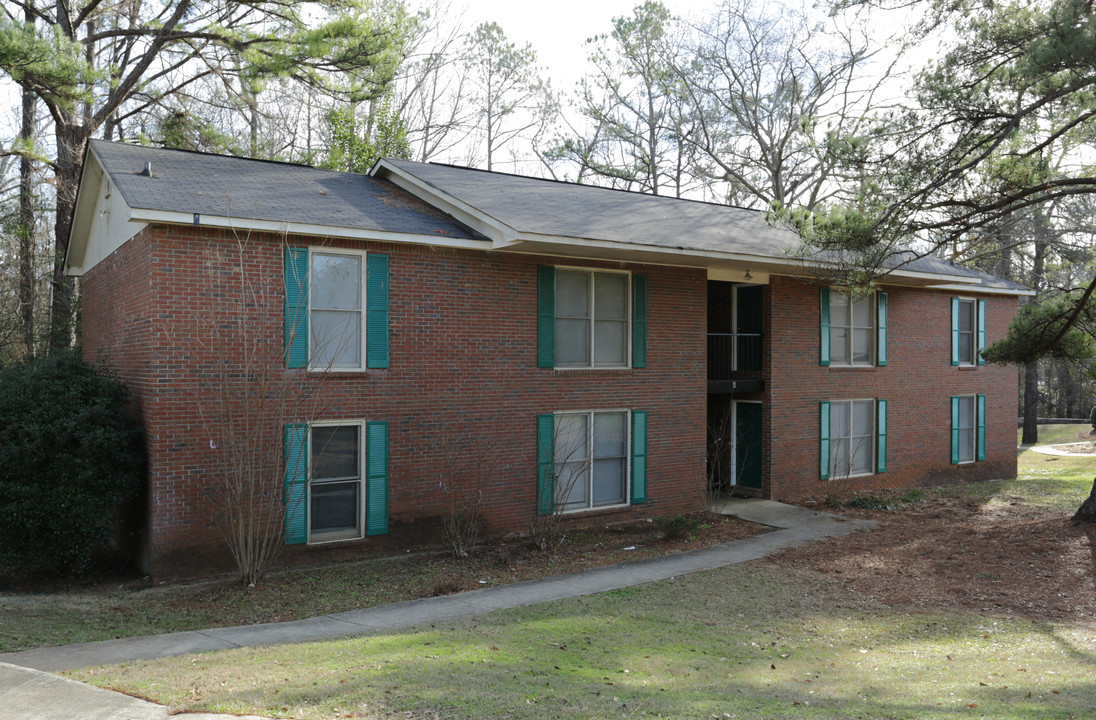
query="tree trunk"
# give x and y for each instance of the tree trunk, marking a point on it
(72, 138)
(1087, 512)
(1031, 404)
(26, 225)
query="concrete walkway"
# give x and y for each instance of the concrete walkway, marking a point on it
(36, 695)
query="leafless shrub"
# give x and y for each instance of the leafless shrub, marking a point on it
(245, 397)
(469, 462)
(546, 528)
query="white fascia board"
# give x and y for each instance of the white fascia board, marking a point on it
(775, 264)
(1026, 292)
(246, 224)
(501, 234)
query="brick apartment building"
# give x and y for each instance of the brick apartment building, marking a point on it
(563, 330)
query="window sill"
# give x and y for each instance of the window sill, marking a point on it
(335, 538)
(968, 367)
(854, 367)
(599, 508)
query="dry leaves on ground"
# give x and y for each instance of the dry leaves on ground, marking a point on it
(948, 552)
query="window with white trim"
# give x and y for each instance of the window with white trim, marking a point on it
(591, 459)
(336, 310)
(966, 331)
(591, 318)
(336, 494)
(852, 438)
(852, 329)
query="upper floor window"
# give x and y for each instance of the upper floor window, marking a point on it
(968, 331)
(853, 328)
(591, 319)
(336, 309)
(337, 313)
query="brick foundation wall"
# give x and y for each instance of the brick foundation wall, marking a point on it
(462, 364)
(917, 383)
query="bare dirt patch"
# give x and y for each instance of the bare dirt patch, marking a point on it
(953, 552)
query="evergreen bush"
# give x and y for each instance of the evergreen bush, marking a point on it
(71, 456)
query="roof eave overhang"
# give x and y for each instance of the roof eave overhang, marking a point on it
(582, 248)
(501, 235)
(167, 217)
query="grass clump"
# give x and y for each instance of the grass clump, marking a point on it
(676, 527)
(865, 501)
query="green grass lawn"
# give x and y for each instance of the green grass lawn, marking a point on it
(745, 641)
(748, 641)
(1057, 434)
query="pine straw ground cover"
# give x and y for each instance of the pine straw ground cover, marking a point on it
(970, 602)
(46, 612)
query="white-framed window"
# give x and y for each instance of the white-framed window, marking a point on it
(591, 459)
(336, 488)
(337, 310)
(852, 329)
(966, 331)
(591, 318)
(968, 428)
(852, 438)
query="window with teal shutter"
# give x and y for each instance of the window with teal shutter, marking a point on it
(546, 316)
(881, 436)
(981, 331)
(376, 311)
(376, 462)
(639, 321)
(584, 320)
(824, 326)
(955, 342)
(296, 307)
(881, 328)
(296, 484)
(639, 457)
(546, 430)
(981, 443)
(955, 430)
(824, 440)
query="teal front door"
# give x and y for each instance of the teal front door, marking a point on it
(747, 445)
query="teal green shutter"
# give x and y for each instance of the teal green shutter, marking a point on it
(296, 484)
(546, 432)
(881, 436)
(376, 318)
(546, 316)
(824, 325)
(981, 331)
(824, 440)
(296, 307)
(955, 332)
(639, 457)
(376, 478)
(639, 321)
(881, 329)
(954, 430)
(981, 450)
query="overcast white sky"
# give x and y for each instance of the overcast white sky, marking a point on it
(558, 29)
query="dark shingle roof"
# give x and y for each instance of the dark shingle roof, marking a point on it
(224, 186)
(549, 207)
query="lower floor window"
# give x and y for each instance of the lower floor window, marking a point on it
(968, 428)
(335, 483)
(852, 437)
(591, 459)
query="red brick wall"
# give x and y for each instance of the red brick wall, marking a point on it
(917, 383)
(463, 362)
